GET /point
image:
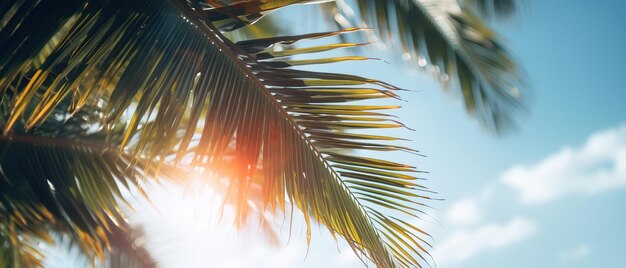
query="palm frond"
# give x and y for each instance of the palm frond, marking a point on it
(60, 179)
(20, 249)
(188, 95)
(90, 188)
(63, 185)
(458, 48)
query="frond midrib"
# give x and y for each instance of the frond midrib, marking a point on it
(212, 33)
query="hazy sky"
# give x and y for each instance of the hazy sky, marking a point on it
(551, 194)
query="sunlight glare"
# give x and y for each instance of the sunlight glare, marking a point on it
(184, 229)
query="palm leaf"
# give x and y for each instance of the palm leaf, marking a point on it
(237, 110)
(60, 178)
(65, 186)
(19, 250)
(73, 187)
(457, 47)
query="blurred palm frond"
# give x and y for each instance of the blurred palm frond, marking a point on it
(453, 43)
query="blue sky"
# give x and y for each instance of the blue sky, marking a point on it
(549, 195)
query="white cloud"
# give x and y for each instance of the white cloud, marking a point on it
(464, 212)
(597, 166)
(576, 254)
(469, 211)
(464, 244)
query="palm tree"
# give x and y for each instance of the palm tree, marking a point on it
(100, 98)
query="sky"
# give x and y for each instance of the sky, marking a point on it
(551, 194)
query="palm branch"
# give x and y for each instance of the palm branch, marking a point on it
(60, 179)
(456, 45)
(188, 96)
(63, 186)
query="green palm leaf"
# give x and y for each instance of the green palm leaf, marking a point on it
(20, 250)
(187, 95)
(457, 47)
(63, 185)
